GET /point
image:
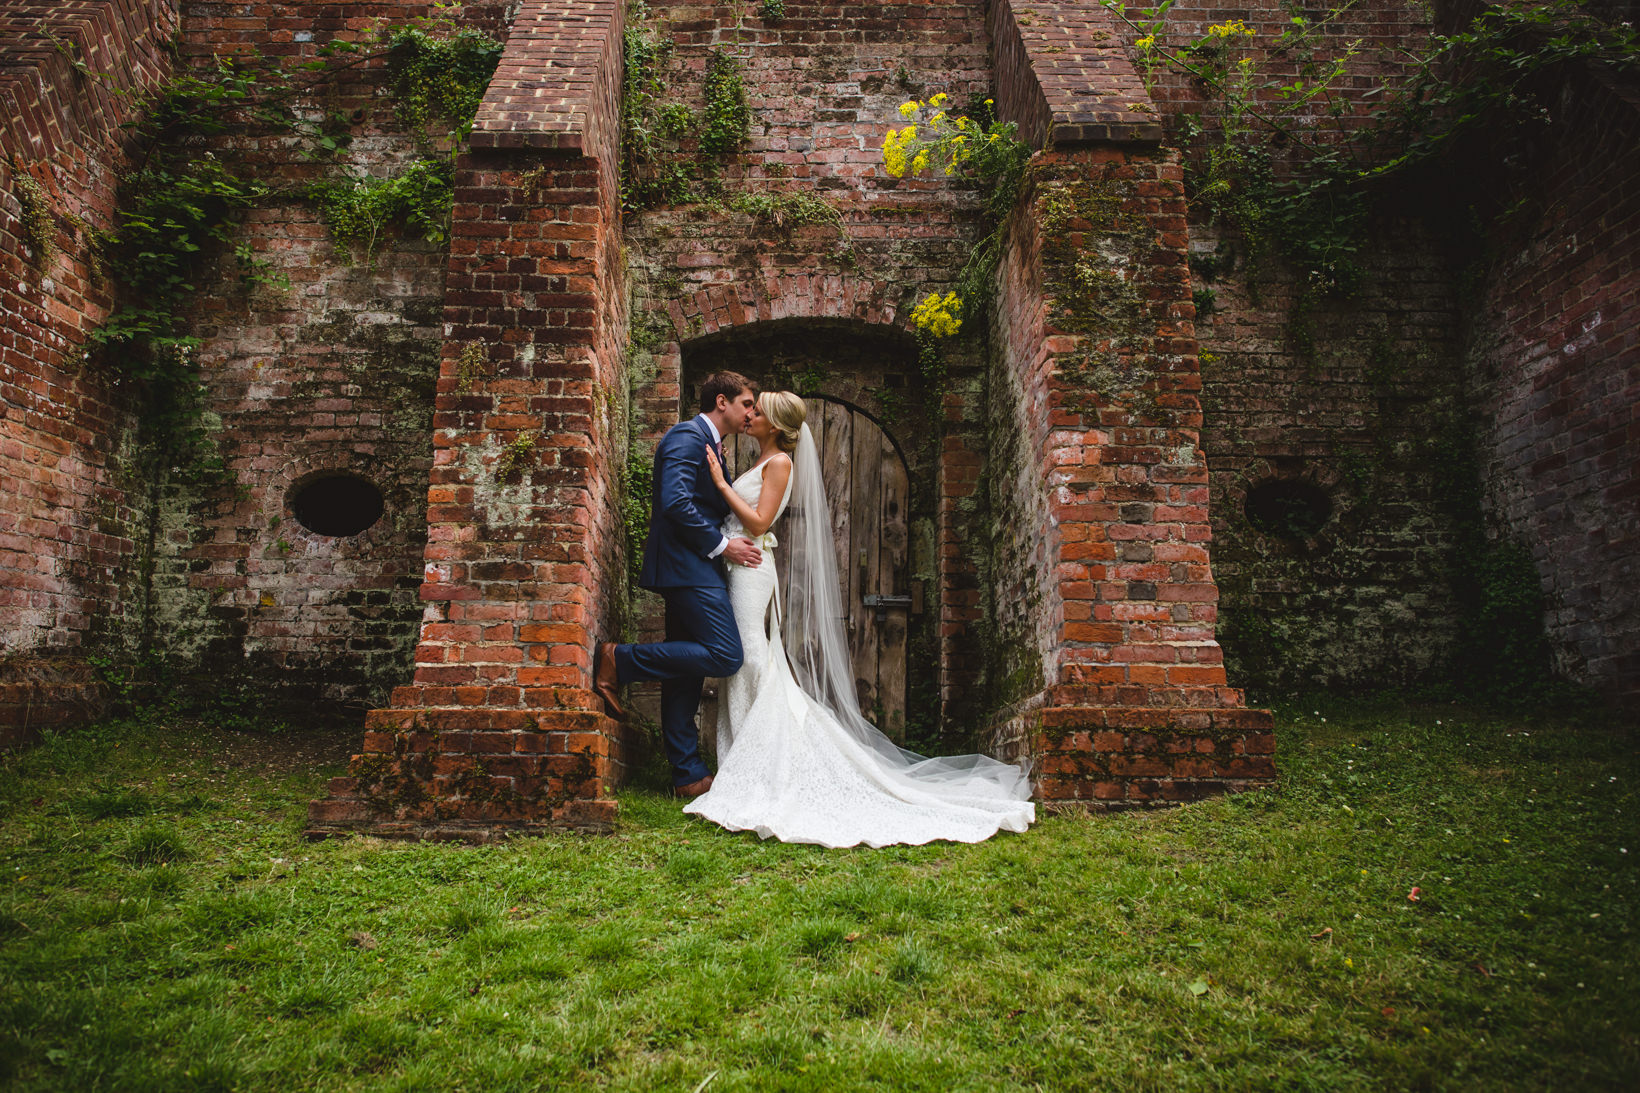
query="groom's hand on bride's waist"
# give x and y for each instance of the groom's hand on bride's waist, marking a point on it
(743, 552)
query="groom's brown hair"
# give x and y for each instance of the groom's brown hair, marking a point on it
(727, 384)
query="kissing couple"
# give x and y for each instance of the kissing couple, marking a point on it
(796, 760)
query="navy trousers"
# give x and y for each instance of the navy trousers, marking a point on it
(701, 640)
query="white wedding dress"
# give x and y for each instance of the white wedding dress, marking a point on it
(790, 768)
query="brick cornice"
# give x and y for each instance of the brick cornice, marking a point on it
(1064, 75)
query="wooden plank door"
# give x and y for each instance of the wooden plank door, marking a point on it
(866, 490)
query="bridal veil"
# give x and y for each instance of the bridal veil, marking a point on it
(817, 645)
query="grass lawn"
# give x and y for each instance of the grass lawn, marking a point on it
(164, 926)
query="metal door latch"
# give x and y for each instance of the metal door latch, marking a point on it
(883, 603)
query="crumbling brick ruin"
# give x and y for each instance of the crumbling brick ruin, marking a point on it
(1042, 510)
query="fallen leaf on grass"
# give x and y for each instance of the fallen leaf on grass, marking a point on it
(1388, 1011)
(1013, 1014)
(851, 937)
(1198, 988)
(1325, 931)
(1482, 969)
(1413, 895)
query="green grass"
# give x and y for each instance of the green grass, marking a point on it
(165, 927)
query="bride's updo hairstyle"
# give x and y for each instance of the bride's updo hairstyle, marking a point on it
(785, 412)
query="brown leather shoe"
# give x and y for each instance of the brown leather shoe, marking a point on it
(604, 679)
(694, 789)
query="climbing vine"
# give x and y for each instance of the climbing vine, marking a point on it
(440, 78)
(658, 164)
(969, 142)
(181, 203)
(360, 210)
(1294, 167)
(726, 119)
(1282, 157)
(35, 207)
(650, 124)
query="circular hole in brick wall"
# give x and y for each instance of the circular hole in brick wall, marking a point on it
(337, 504)
(1288, 507)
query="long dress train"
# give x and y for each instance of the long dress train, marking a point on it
(787, 767)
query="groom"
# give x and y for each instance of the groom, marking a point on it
(683, 560)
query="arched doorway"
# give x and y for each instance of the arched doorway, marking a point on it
(867, 487)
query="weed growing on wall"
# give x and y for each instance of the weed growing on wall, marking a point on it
(969, 142)
(786, 210)
(440, 78)
(514, 457)
(726, 119)
(180, 204)
(362, 211)
(36, 220)
(650, 125)
(1281, 157)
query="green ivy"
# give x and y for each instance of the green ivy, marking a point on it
(649, 124)
(637, 498)
(440, 78)
(727, 119)
(34, 206)
(180, 204)
(360, 211)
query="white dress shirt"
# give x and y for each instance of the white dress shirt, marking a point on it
(717, 438)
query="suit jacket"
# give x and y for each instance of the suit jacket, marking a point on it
(686, 515)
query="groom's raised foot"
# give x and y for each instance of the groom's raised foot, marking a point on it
(605, 680)
(694, 789)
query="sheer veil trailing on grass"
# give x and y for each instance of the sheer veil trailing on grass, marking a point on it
(817, 648)
(796, 761)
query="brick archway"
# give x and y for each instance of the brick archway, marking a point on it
(784, 296)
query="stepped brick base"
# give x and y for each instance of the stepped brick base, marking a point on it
(46, 693)
(1110, 758)
(476, 775)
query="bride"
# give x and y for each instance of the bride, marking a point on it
(796, 760)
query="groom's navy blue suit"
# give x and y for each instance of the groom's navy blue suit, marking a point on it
(685, 527)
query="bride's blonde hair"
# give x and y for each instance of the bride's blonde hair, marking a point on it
(785, 412)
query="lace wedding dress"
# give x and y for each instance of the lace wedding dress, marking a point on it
(796, 767)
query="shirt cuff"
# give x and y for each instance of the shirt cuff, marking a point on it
(720, 548)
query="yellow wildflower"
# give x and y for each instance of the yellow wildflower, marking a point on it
(938, 99)
(1146, 42)
(1230, 30)
(920, 163)
(937, 314)
(909, 108)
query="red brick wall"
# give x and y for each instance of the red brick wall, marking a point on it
(500, 728)
(1555, 359)
(1384, 32)
(1100, 556)
(69, 517)
(1367, 415)
(331, 371)
(1343, 393)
